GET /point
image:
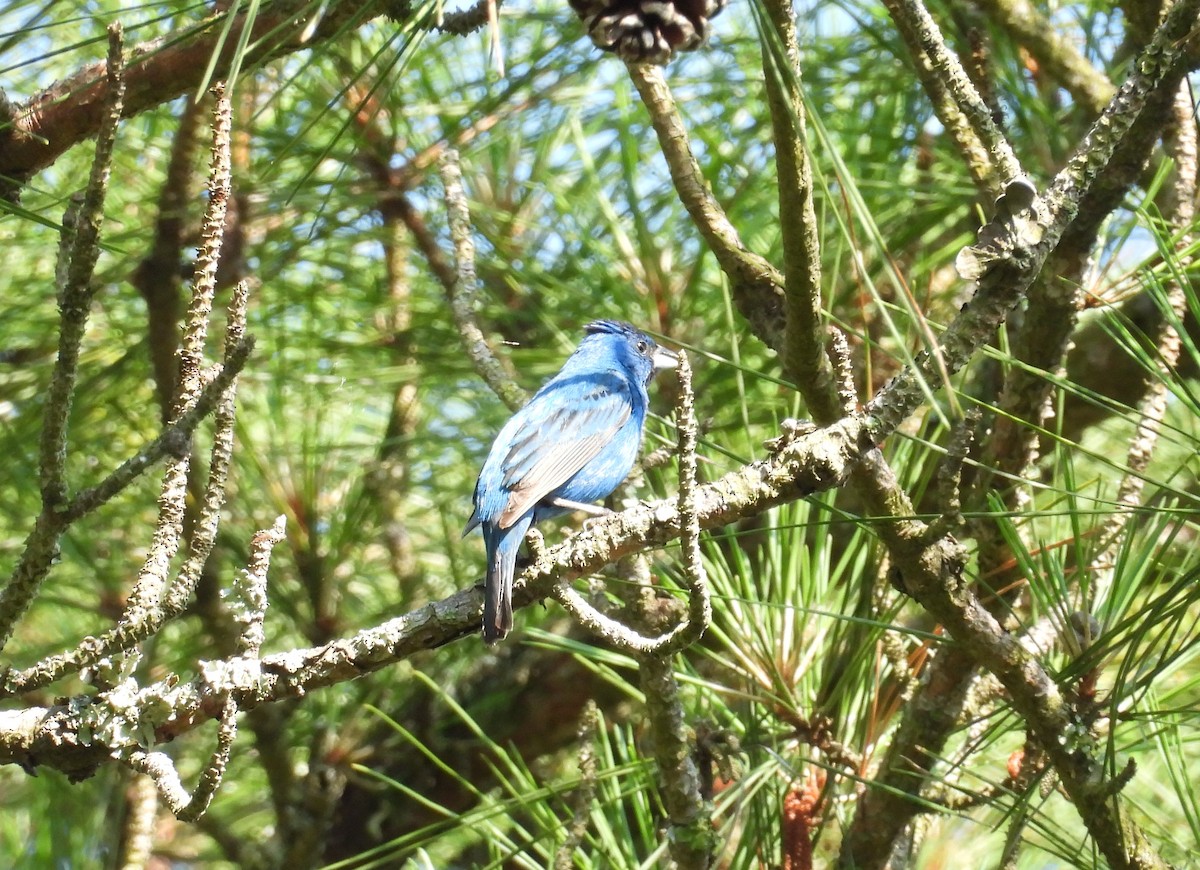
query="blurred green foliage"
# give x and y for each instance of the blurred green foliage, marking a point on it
(459, 758)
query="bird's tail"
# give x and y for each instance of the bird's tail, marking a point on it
(502, 547)
(497, 600)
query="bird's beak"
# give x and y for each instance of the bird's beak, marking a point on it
(665, 359)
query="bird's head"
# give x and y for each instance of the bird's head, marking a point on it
(636, 350)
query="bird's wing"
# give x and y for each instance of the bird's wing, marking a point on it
(569, 423)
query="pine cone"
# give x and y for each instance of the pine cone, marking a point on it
(647, 31)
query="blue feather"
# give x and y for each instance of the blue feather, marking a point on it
(575, 440)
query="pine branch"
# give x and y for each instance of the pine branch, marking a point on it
(73, 109)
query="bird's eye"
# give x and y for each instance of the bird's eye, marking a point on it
(642, 346)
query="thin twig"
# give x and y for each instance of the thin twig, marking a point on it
(204, 532)
(462, 297)
(804, 357)
(581, 801)
(843, 368)
(250, 589)
(212, 234)
(78, 256)
(146, 597)
(214, 771)
(699, 615)
(949, 478)
(1181, 146)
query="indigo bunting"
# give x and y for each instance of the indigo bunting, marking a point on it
(571, 445)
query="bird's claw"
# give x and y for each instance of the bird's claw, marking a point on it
(591, 521)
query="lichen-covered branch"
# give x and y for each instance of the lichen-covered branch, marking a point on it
(78, 257)
(212, 237)
(690, 838)
(1004, 286)
(199, 393)
(462, 294)
(1155, 63)
(146, 596)
(249, 603)
(78, 253)
(804, 358)
(893, 797)
(161, 770)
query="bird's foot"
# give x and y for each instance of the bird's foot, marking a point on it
(587, 508)
(591, 521)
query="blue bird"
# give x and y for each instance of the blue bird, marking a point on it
(571, 445)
